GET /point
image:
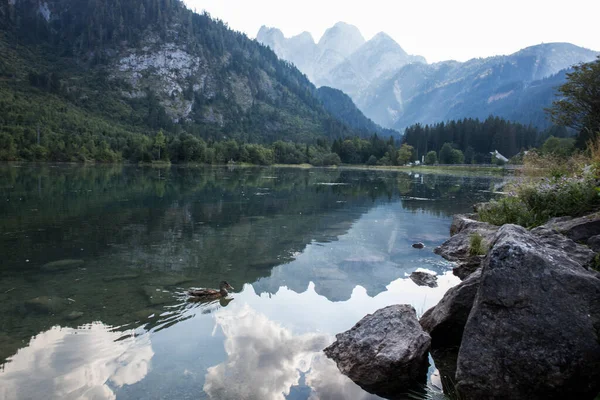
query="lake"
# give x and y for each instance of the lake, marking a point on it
(96, 261)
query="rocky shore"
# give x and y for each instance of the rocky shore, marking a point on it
(524, 323)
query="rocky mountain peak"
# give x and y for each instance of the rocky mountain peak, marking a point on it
(343, 38)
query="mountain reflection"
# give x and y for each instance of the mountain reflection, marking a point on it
(82, 363)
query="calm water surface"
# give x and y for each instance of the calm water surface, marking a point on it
(309, 252)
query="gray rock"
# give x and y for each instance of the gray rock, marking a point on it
(385, 353)
(418, 246)
(550, 238)
(457, 247)
(445, 324)
(62, 265)
(424, 279)
(577, 229)
(533, 330)
(461, 222)
(465, 268)
(594, 243)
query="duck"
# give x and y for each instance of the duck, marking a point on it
(211, 293)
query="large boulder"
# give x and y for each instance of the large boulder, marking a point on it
(533, 331)
(577, 252)
(465, 268)
(445, 324)
(385, 353)
(457, 248)
(577, 229)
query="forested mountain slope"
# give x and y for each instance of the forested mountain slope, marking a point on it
(102, 77)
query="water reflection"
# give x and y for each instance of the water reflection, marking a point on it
(264, 360)
(314, 250)
(83, 363)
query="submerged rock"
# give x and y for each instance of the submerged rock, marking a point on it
(62, 265)
(73, 315)
(533, 331)
(157, 295)
(45, 305)
(385, 353)
(424, 279)
(123, 277)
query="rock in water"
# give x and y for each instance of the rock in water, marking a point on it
(424, 279)
(418, 246)
(533, 331)
(385, 353)
(445, 324)
(458, 246)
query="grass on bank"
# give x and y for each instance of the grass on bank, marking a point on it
(551, 187)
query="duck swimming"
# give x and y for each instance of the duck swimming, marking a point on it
(212, 293)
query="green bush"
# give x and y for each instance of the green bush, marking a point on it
(477, 246)
(532, 205)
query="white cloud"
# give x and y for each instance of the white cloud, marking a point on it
(67, 363)
(436, 29)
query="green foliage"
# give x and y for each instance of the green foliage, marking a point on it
(579, 105)
(475, 138)
(560, 147)
(532, 204)
(477, 247)
(431, 158)
(405, 154)
(450, 155)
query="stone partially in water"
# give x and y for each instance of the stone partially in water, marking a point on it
(424, 279)
(157, 295)
(458, 247)
(385, 353)
(533, 331)
(418, 246)
(445, 324)
(62, 265)
(45, 305)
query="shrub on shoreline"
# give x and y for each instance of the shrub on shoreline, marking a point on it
(531, 204)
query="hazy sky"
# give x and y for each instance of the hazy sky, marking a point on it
(436, 29)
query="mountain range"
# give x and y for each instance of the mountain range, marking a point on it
(396, 89)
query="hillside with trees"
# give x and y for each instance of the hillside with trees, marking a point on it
(98, 80)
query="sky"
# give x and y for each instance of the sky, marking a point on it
(436, 29)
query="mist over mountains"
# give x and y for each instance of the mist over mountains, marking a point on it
(396, 89)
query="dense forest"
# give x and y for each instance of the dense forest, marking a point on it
(477, 139)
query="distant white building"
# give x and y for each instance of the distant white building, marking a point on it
(498, 156)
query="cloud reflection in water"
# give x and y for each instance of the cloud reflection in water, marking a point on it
(83, 363)
(264, 361)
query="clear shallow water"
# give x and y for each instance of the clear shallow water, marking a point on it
(310, 252)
